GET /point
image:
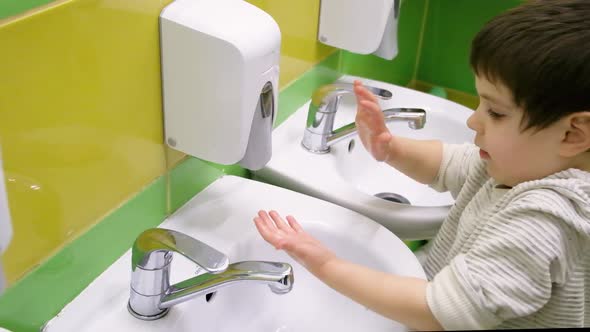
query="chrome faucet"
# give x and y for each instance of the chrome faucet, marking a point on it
(151, 293)
(319, 134)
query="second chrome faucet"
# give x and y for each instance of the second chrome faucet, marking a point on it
(151, 294)
(319, 132)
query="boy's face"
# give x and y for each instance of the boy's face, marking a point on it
(512, 155)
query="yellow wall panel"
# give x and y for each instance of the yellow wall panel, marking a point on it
(80, 118)
(80, 111)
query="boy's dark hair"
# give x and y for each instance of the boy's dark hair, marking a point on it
(541, 52)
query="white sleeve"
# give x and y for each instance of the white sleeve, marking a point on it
(457, 161)
(507, 274)
(451, 304)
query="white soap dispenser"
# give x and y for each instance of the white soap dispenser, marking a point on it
(220, 72)
(363, 27)
(5, 227)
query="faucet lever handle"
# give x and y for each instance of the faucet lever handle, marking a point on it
(326, 93)
(383, 94)
(157, 240)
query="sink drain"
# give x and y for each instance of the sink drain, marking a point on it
(392, 197)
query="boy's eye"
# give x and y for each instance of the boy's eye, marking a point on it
(494, 115)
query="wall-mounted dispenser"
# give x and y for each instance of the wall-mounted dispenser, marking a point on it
(5, 228)
(364, 27)
(220, 72)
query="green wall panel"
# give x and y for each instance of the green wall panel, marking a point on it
(14, 7)
(450, 27)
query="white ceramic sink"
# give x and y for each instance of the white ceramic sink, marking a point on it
(221, 216)
(350, 177)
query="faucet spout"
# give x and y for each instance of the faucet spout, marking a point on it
(278, 276)
(151, 295)
(415, 117)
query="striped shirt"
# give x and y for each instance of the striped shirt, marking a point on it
(509, 257)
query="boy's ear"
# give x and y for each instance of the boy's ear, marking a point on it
(577, 135)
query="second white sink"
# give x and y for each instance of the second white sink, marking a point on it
(350, 177)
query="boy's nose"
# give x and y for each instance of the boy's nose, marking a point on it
(473, 123)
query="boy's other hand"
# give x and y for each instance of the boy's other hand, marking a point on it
(370, 123)
(289, 236)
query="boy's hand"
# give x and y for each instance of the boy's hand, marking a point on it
(289, 236)
(370, 123)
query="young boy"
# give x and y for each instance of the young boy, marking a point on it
(514, 251)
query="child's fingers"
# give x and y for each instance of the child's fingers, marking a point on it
(370, 106)
(363, 93)
(267, 221)
(281, 224)
(265, 231)
(373, 117)
(294, 224)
